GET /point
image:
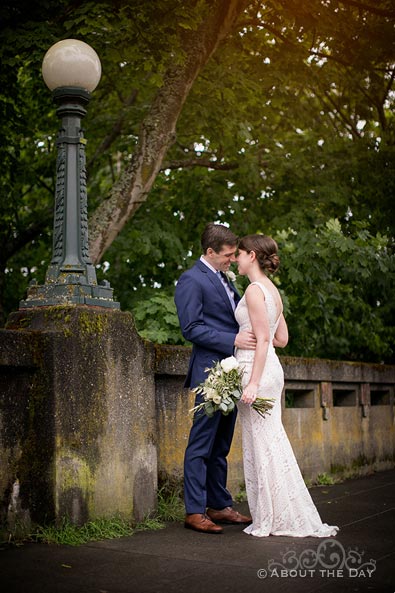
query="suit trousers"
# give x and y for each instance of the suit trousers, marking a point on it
(205, 463)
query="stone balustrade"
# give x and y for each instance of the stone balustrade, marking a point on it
(339, 416)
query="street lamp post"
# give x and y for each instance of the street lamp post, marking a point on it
(72, 70)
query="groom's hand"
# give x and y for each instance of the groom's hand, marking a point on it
(245, 340)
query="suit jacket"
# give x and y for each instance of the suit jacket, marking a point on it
(206, 319)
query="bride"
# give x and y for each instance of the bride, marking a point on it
(279, 501)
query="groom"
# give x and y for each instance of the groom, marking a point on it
(205, 303)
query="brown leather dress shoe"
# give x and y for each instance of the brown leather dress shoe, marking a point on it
(200, 522)
(228, 516)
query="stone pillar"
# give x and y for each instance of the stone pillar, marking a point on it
(90, 420)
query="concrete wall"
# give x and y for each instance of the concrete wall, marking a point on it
(342, 419)
(77, 416)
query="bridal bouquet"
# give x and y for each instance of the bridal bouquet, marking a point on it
(222, 389)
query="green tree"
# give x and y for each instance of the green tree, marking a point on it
(340, 292)
(261, 115)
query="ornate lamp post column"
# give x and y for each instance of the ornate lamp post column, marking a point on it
(72, 70)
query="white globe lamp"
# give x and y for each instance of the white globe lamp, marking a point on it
(71, 63)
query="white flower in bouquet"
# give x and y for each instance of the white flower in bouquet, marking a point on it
(223, 388)
(228, 364)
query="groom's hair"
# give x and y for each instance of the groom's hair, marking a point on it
(217, 235)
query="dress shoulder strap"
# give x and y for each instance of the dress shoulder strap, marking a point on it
(266, 293)
(263, 288)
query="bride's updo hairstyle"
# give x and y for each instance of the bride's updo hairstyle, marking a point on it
(265, 249)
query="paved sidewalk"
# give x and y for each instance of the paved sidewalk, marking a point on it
(176, 560)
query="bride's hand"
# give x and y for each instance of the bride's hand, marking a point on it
(249, 394)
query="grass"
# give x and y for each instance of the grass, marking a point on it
(170, 502)
(325, 480)
(170, 508)
(66, 533)
(73, 535)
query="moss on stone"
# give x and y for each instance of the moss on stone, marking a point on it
(93, 324)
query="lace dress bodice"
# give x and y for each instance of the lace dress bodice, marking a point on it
(272, 379)
(279, 502)
(243, 318)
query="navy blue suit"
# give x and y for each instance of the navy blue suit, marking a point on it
(207, 320)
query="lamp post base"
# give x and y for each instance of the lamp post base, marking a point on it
(73, 292)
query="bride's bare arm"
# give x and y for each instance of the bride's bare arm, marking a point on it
(260, 326)
(280, 339)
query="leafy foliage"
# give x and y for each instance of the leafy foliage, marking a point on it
(156, 319)
(289, 125)
(340, 289)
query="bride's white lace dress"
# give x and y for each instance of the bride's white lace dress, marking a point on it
(279, 501)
